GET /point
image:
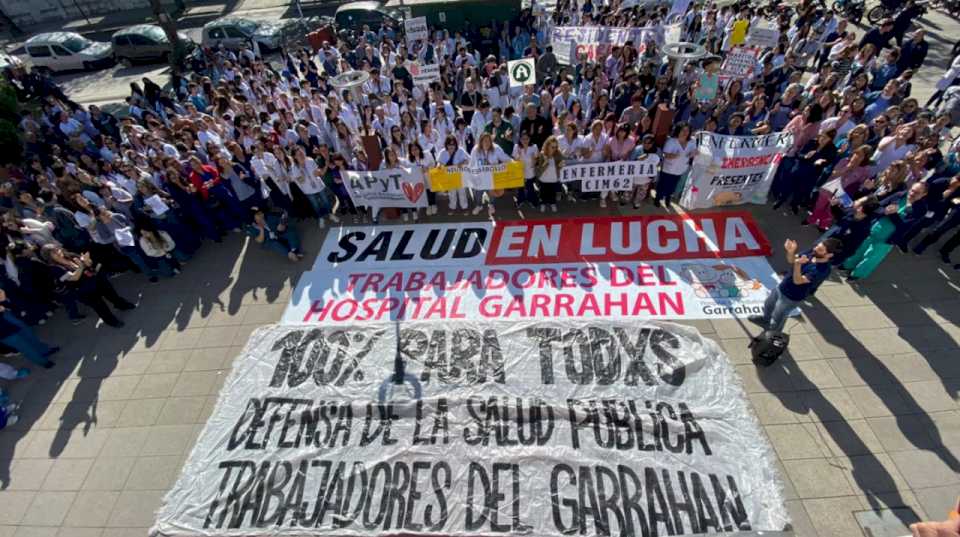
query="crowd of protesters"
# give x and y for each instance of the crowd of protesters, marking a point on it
(242, 144)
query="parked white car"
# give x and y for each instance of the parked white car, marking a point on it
(62, 51)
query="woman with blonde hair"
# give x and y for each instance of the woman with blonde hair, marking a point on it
(547, 166)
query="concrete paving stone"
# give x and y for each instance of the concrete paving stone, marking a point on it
(195, 383)
(91, 509)
(779, 408)
(169, 440)
(67, 474)
(182, 411)
(141, 413)
(947, 428)
(218, 317)
(882, 341)
(36, 531)
(830, 404)
(207, 359)
(109, 473)
(110, 389)
(803, 348)
(134, 363)
(733, 328)
(737, 350)
(853, 372)
(789, 491)
(840, 296)
(135, 509)
(818, 478)
(901, 433)
(174, 340)
(48, 509)
(880, 400)
(7, 531)
(833, 517)
(263, 314)
(154, 473)
(903, 498)
(928, 468)
(815, 375)
(937, 502)
(156, 385)
(217, 336)
(861, 317)
(874, 473)
(95, 414)
(849, 438)
(169, 361)
(772, 379)
(124, 532)
(243, 333)
(125, 442)
(797, 441)
(14, 505)
(834, 342)
(929, 337)
(908, 367)
(930, 396)
(799, 520)
(28, 474)
(80, 532)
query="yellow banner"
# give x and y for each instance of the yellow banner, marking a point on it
(496, 177)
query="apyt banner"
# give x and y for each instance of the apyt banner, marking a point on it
(732, 170)
(493, 177)
(402, 188)
(543, 428)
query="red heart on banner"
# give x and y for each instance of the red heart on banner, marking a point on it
(412, 192)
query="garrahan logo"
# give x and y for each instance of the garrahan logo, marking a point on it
(719, 280)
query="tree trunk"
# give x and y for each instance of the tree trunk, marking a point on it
(170, 28)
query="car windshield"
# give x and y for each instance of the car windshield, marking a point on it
(155, 33)
(246, 26)
(76, 44)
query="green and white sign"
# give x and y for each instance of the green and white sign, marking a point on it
(522, 72)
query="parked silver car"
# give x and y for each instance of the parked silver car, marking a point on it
(145, 42)
(234, 32)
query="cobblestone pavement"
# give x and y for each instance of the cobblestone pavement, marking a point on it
(863, 412)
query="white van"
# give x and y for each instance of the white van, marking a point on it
(62, 51)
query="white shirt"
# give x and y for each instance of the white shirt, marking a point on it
(526, 156)
(593, 145)
(459, 157)
(486, 158)
(306, 176)
(679, 164)
(568, 148)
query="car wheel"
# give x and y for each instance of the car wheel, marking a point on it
(124, 61)
(165, 57)
(87, 66)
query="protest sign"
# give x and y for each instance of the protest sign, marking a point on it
(672, 33)
(522, 72)
(566, 52)
(701, 266)
(740, 63)
(402, 188)
(494, 177)
(596, 41)
(416, 29)
(607, 176)
(763, 37)
(424, 75)
(545, 428)
(732, 170)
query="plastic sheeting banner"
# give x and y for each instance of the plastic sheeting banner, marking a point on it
(478, 428)
(733, 170)
(698, 266)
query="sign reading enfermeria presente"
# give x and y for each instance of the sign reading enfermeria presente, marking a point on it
(543, 428)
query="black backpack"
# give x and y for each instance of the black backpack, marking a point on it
(768, 346)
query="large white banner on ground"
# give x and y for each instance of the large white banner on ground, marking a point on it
(543, 428)
(607, 176)
(398, 187)
(596, 41)
(732, 170)
(699, 266)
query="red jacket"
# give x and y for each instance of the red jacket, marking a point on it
(206, 173)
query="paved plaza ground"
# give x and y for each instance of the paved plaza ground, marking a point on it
(863, 413)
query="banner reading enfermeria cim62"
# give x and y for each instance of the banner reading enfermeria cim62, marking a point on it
(542, 428)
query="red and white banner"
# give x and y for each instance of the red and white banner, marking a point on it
(698, 266)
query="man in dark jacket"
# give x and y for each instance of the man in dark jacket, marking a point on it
(879, 37)
(913, 52)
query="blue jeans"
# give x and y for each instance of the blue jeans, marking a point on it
(26, 342)
(776, 309)
(133, 254)
(321, 202)
(286, 242)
